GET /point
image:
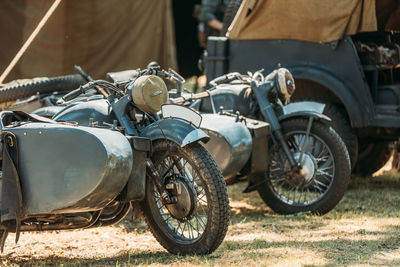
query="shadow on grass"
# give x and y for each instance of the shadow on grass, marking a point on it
(127, 258)
(336, 251)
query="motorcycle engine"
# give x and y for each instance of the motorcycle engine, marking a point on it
(149, 93)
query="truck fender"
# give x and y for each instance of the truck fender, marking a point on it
(357, 114)
(176, 130)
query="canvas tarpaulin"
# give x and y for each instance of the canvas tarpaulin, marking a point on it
(308, 20)
(99, 35)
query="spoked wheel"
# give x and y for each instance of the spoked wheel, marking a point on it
(197, 221)
(323, 177)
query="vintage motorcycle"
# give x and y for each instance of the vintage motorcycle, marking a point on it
(117, 153)
(307, 167)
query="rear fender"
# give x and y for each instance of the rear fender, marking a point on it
(176, 130)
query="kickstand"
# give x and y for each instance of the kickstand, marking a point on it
(17, 228)
(3, 239)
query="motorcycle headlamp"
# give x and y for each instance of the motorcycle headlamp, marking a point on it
(149, 92)
(284, 83)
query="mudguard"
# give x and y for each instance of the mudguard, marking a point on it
(304, 109)
(304, 106)
(175, 130)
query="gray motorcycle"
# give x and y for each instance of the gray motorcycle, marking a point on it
(303, 166)
(97, 158)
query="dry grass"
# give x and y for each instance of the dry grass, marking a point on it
(364, 229)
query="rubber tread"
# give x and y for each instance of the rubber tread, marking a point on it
(342, 126)
(377, 157)
(218, 222)
(40, 85)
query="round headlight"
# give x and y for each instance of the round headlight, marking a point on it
(149, 93)
(284, 84)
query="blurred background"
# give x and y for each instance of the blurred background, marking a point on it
(99, 35)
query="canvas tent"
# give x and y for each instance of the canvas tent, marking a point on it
(99, 35)
(310, 20)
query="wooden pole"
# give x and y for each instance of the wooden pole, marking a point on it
(29, 41)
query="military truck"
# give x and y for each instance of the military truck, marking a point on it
(344, 54)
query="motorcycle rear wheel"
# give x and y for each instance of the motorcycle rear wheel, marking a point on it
(203, 230)
(325, 159)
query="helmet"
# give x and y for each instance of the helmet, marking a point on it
(149, 93)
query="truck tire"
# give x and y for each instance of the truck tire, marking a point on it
(39, 85)
(342, 126)
(229, 15)
(372, 157)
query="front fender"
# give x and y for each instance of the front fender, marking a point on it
(175, 130)
(304, 106)
(304, 109)
(304, 114)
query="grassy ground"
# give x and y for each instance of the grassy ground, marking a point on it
(364, 229)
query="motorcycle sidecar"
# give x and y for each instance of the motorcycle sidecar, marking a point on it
(64, 168)
(239, 146)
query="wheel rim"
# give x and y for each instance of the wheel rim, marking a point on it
(188, 228)
(315, 178)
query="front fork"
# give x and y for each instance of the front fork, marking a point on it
(269, 115)
(167, 191)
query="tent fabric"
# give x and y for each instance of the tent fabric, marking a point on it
(99, 35)
(388, 15)
(307, 20)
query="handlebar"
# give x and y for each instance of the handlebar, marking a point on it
(170, 74)
(75, 93)
(226, 78)
(71, 95)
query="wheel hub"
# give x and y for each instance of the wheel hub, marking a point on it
(306, 173)
(186, 201)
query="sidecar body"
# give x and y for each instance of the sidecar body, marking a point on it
(239, 146)
(64, 168)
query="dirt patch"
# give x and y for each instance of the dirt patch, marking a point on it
(363, 229)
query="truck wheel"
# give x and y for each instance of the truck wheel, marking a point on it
(341, 125)
(372, 156)
(31, 87)
(229, 15)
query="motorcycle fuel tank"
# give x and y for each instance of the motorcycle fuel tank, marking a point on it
(97, 109)
(66, 168)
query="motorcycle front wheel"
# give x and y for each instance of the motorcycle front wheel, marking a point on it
(198, 221)
(324, 175)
